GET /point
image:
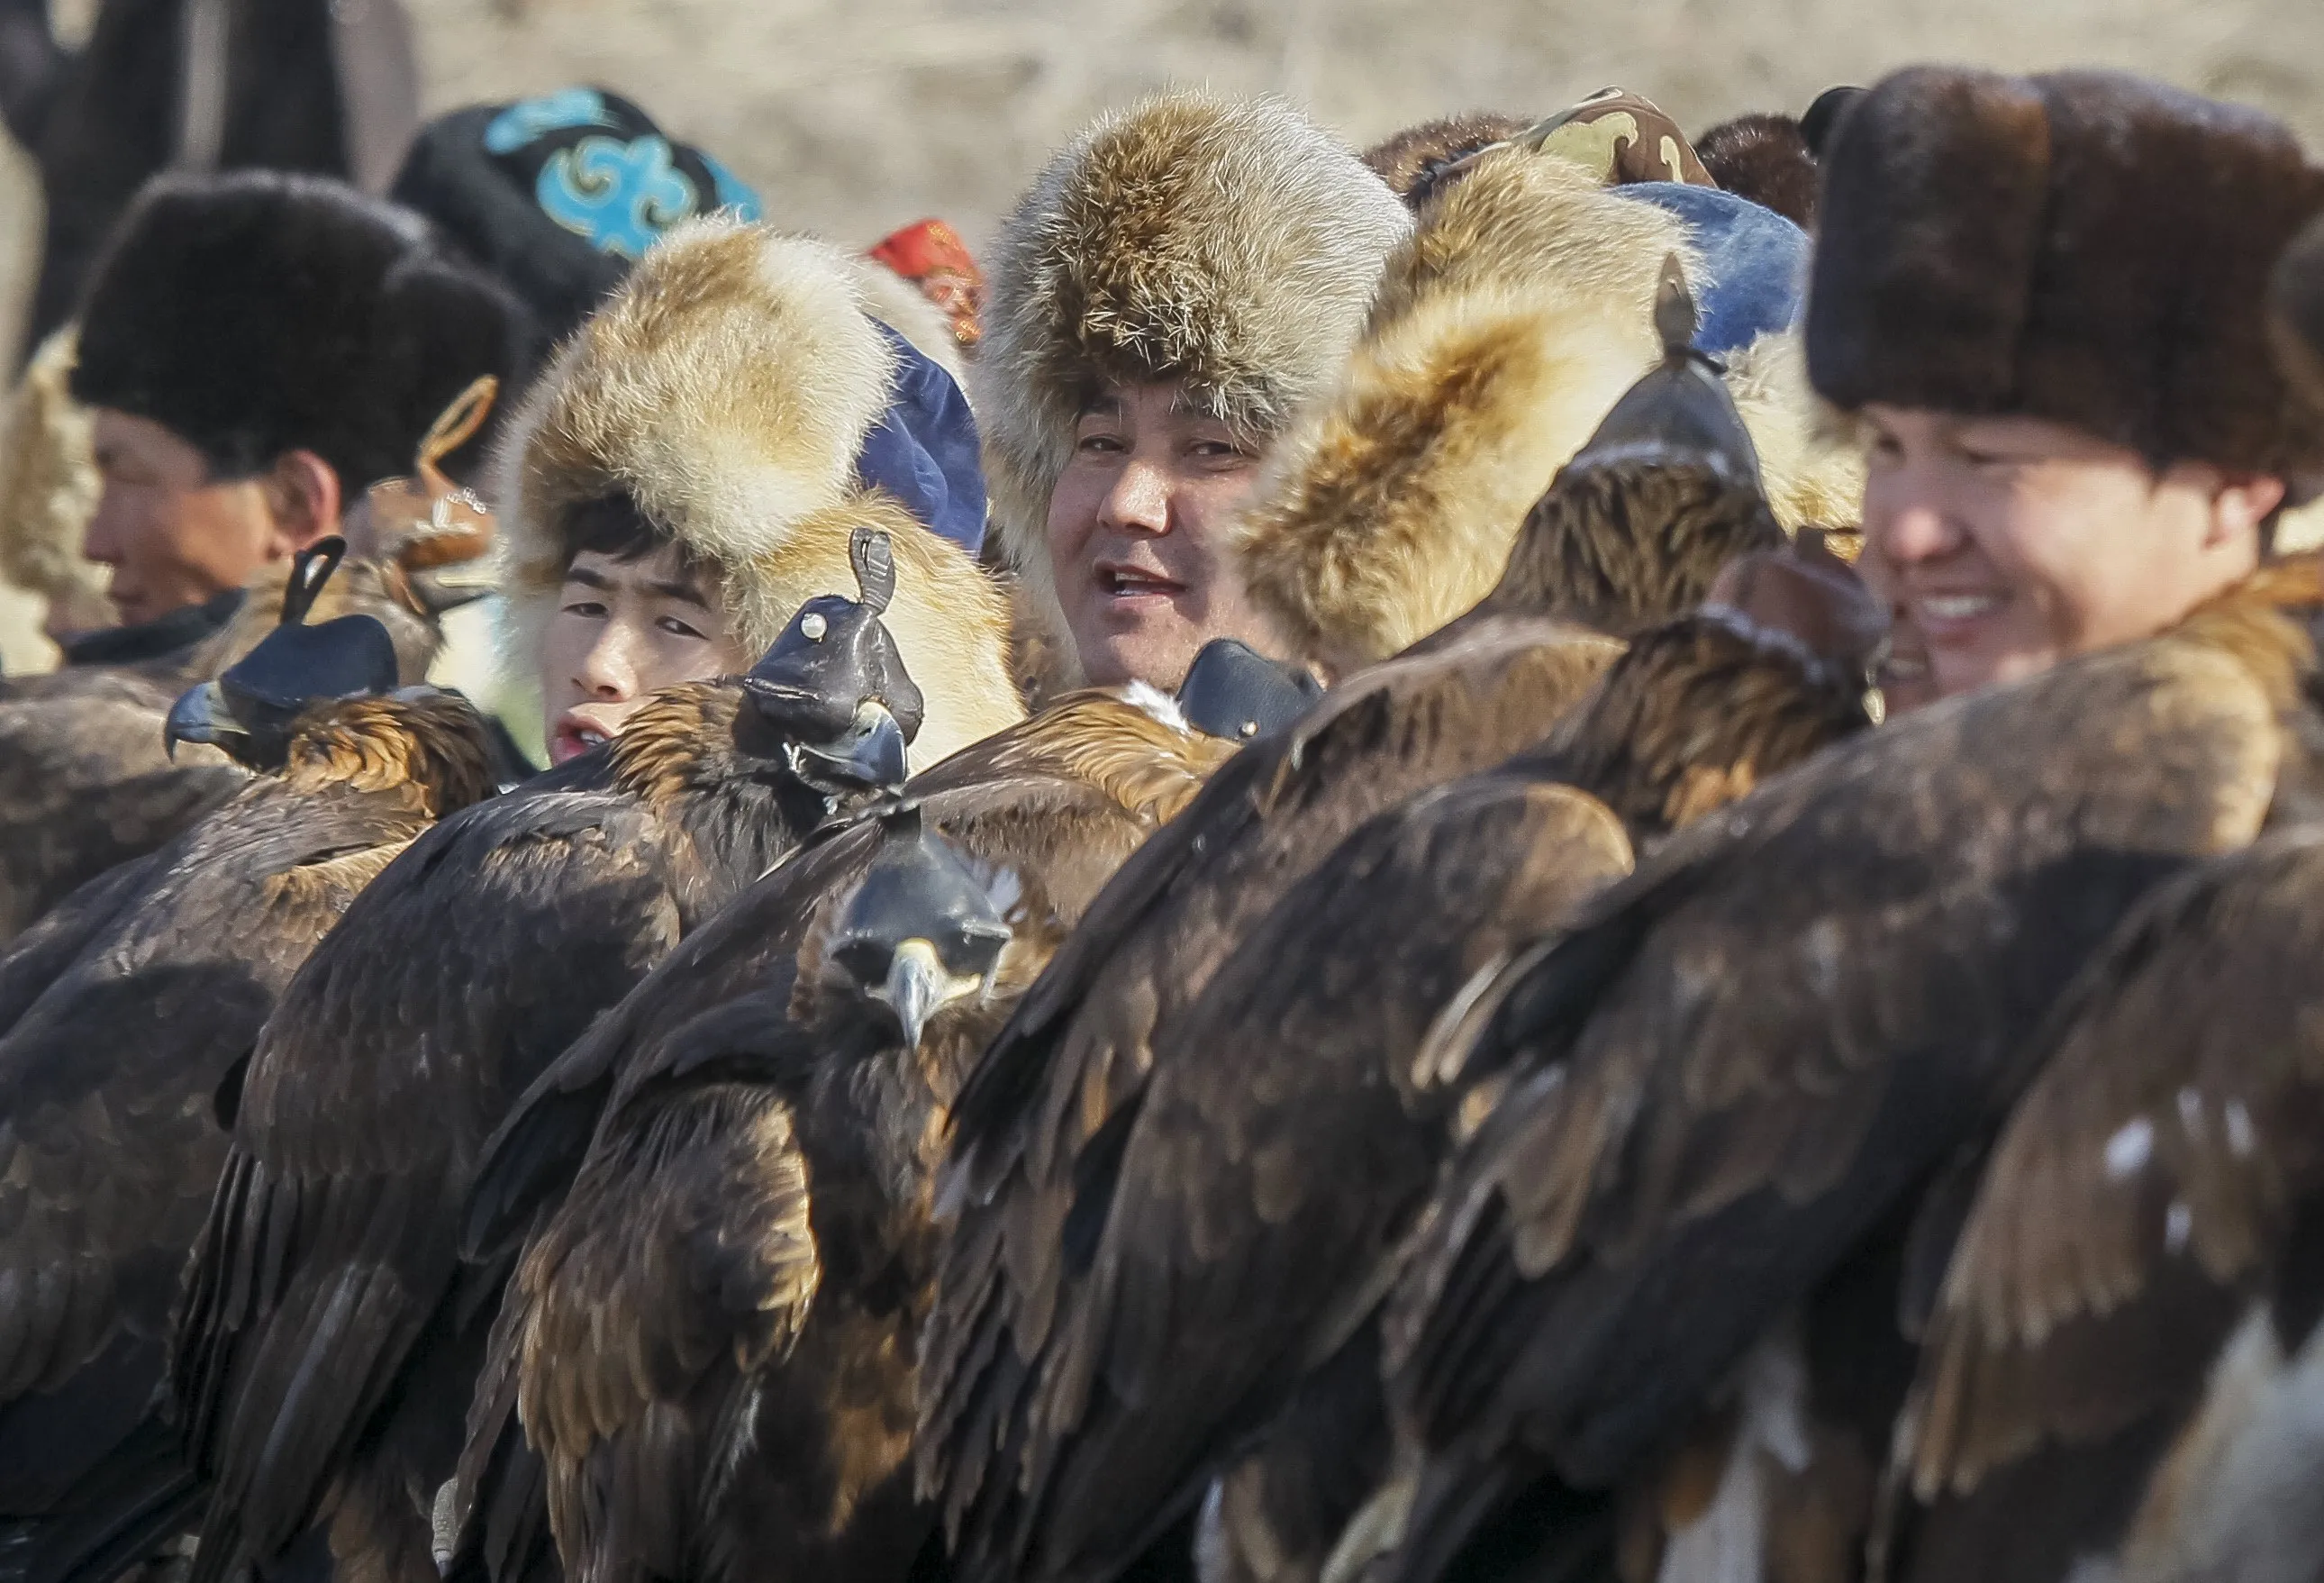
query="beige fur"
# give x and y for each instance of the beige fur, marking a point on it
(48, 487)
(1229, 244)
(1505, 328)
(727, 387)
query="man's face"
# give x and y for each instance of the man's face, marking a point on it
(1136, 527)
(172, 536)
(2003, 545)
(623, 628)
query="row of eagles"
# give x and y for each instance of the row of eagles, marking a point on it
(1571, 1100)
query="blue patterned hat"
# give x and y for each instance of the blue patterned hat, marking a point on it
(562, 193)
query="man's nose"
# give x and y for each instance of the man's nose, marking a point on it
(1139, 499)
(104, 539)
(609, 671)
(1912, 529)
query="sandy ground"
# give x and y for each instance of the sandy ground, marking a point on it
(854, 117)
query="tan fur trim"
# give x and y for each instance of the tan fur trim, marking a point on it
(898, 304)
(950, 619)
(1229, 244)
(727, 386)
(49, 488)
(1505, 328)
(1812, 473)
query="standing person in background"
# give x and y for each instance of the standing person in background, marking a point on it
(2046, 299)
(196, 85)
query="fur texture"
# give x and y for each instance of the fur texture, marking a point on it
(2085, 247)
(1410, 161)
(1227, 243)
(329, 321)
(726, 388)
(1765, 159)
(48, 487)
(1512, 320)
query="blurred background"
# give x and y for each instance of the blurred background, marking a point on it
(854, 117)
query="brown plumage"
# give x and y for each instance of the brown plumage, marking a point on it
(1754, 1052)
(124, 1009)
(1228, 1230)
(473, 961)
(84, 780)
(1040, 1130)
(813, 1484)
(2120, 1361)
(1765, 159)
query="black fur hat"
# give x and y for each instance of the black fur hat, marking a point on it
(260, 312)
(2086, 247)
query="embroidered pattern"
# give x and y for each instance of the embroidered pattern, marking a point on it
(621, 195)
(519, 125)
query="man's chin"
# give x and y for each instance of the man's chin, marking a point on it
(1152, 658)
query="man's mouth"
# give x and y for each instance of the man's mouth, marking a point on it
(1942, 616)
(1129, 582)
(574, 736)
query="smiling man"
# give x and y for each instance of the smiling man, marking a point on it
(2044, 297)
(1177, 281)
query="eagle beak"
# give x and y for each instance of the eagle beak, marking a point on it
(870, 753)
(202, 714)
(916, 986)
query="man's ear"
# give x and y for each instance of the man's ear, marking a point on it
(2241, 506)
(302, 494)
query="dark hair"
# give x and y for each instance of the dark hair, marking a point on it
(612, 526)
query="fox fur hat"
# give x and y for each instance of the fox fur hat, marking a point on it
(1229, 244)
(726, 389)
(2086, 247)
(1506, 327)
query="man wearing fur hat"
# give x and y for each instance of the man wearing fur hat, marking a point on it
(688, 471)
(1179, 281)
(2046, 298)
(256, 349)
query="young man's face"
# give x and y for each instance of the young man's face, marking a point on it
(2003, 545)
(172, 537)
(622, 629)
(1136, 531)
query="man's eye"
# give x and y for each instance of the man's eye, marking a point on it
(1218, 450)
(677, 629)
(1098, 444)
(591, 608)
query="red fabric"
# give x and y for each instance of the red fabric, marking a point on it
(931, 256)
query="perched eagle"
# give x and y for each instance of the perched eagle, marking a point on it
(84, 782)
(1717, 1099)
(128, 1007)
(330, 1336)
(798, 1458)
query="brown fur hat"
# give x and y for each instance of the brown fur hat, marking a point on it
(725, 388)
(2086, 247)
(1765, 159)
(1229, 244)
(1407, 160)
(1506, 329)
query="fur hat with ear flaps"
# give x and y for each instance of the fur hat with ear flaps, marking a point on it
(1513, 320)
(725, 392)
(2086, 247)
(1227, 243)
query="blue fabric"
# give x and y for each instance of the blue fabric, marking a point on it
(733, 192)
(923, 451)
(1757, 261)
